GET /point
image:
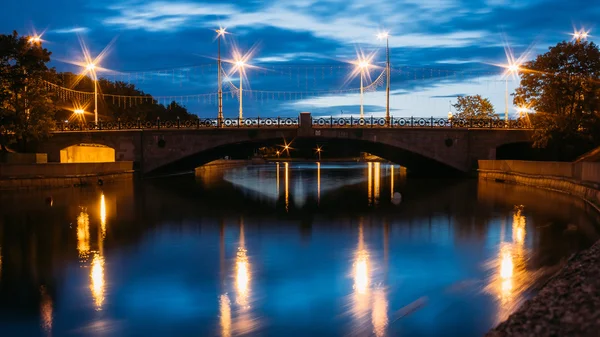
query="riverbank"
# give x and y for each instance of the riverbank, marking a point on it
(53, 175)
(568, 304)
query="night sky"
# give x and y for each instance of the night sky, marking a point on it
(439, 48)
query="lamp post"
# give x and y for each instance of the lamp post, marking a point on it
(512, 68)
(35, 40)
(240, 66)
(220, 33)
(386, 36)
(362, 65)
(319, 150)
(91, 67)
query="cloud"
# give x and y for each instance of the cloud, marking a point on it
(352, 23)
(448, 96)
(286, 57)
(163, 16)
(71, 30)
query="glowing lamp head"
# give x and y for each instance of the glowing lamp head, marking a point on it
(240, 64)
(277, 152)
(79, 111)
(36, 39)
(513, 68)
(363, 64)
(286, 147)
(90, 67)
(383, 35)
(221, 31)
(584, 35)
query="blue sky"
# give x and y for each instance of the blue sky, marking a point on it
(439, 48)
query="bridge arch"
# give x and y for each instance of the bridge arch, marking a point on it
(416, 163)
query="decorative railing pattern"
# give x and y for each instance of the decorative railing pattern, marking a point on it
(293, 122)
(201, 123)
(417, 122)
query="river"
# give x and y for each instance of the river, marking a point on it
(300, 249)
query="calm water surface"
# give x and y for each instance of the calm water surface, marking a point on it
(280, 250)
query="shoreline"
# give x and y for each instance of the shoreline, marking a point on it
(567, 304)
(60, 175)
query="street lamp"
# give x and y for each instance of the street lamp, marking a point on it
(36, 39)
(91, 68)
(511, 68)
(277, 152)
(240, 64)
(220, 33)
(319, 150)
(362, 65)
(381, 36)
(580, 35)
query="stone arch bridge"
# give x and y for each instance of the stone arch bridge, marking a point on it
(419, 147)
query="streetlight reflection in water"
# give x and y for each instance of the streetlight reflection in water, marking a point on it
(242, 322)
(511, 277)
(83, 234)
(367, 298)
(96, 274)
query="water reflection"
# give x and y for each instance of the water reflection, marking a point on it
(269, 276)
(367, 298)
(225, 315)
(370, 183)
(242, 322)
(242, 276)
(46, 311)
(83, 234)
(391, 181)
(511, 278)
(376, 181)
(380, 312)
(305, 183)
(287, 190)
(96, 276)
(318, 183)
(103, 215)
(277, 181)
(97, 280)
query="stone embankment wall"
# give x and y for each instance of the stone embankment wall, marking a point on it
(567, 304)
(36, 176)
(580, 179)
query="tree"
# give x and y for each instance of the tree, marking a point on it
(26, 106)
(563, 87)
(474, 107)
(128, 103)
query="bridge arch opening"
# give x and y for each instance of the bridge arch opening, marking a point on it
(87, 153)
(416, 164)
(524, 151)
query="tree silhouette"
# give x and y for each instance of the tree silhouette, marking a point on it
(26, 106)
(474, 107)
(563, 87)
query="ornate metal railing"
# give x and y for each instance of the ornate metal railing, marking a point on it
(202, 123)
(293, 122)
(417, 122)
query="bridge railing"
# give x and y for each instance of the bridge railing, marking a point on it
(201, 123)
(417, 122)
(293, 122)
